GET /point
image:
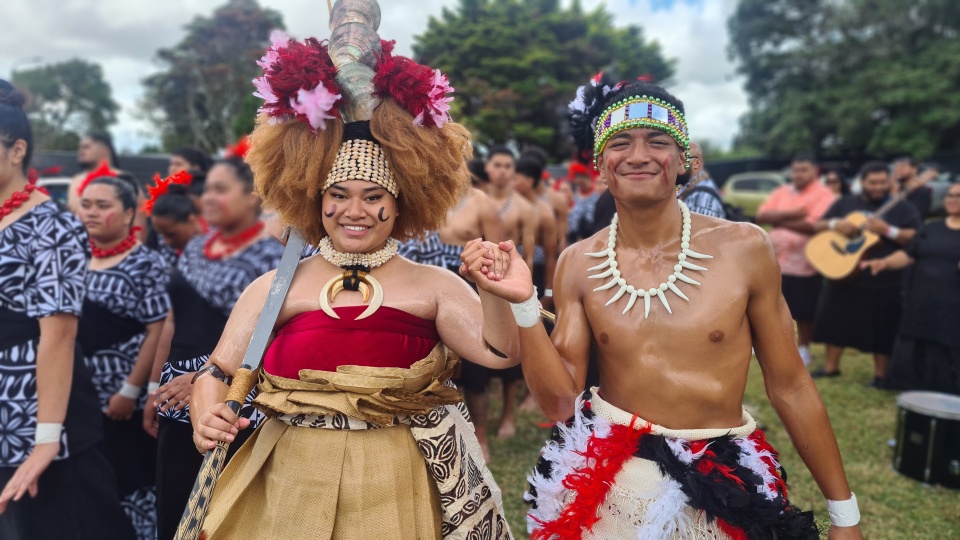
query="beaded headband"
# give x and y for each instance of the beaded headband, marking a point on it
(362, 159)
(641, 111)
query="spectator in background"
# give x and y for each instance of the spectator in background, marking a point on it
(478, 174)
(906, 178)
(926, 355)
(835, 183)
(189, 159)
(864, 311)
(793, 211)
(94, 149)
(580, 220)
(701, 194)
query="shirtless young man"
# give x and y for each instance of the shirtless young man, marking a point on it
(528, 173)
(519, 220)
(664, 449)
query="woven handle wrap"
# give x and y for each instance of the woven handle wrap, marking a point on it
(192, 521)
(243, 381)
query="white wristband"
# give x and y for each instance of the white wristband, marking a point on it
(893, 232)
(844, 513)
(130, 391)
(527, 313)
(832, 224)
(548, 293)
(47, 433)
(152, 387)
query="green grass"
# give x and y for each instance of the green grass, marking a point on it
(893, 507)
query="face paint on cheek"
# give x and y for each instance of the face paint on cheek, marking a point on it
(109, 219)
(332, 212)
(380, 215)
(666, 168)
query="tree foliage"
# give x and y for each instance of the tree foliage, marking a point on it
(855, 77)
(205, 86)
(516, 64)
(66, 99)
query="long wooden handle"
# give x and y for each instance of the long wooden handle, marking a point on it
(191, 523)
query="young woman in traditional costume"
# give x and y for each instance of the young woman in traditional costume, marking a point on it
(365, 436)
(56, 483)
(126, 303)
(174, 214)
(212, 271)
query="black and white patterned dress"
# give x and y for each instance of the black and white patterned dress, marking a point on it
(43, 261)
(203, 293)
(120, 302)
(432, 252)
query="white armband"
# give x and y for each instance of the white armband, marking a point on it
(844, 513)
(130, 391)
(47, 432)
(893, 232)
(527, 313)
(548, 293)
(152, 387)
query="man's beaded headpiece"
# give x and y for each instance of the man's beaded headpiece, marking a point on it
(344, 80)
(640, 111)
(593, 125)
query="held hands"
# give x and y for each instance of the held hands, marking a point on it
(120, 408)
(176, 393)
(28, 473)
(497, 269)
(219, 423)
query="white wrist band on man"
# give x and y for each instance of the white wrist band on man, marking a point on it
(832, 224)
(548, 293)
(130, 391)
(844, 513)
(152, 387)
(47, 432)
(893, 232)
(527, 313)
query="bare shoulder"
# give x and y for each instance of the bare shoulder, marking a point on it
(575, 255)
(723, 235)
(522, 204)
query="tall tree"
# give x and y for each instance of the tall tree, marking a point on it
(67, 99)
(516, 64)
(858, 77)
(198, 99)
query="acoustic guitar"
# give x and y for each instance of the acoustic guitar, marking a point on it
(837, 257)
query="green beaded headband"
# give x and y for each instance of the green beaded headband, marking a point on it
(641, 111)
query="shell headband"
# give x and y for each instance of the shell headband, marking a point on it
(641, 111)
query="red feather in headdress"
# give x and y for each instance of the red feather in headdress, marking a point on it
(162, 186)
(417, 88)
(240, 149)
(101, 171)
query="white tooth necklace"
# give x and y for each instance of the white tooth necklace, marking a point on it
(613, 272)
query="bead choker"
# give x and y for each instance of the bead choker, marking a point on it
(231, 244)
(17, 199)
(365, 260)
(613, 272)
(128, 243)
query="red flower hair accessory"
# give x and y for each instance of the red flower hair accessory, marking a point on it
(298, 81)
(417, 88)
(162, 186)
(238, 150)
(101, 171)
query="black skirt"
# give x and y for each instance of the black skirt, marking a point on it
(802, 294)
(863, 318)
(922, 364)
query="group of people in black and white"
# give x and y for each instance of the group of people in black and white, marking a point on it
(102, 327)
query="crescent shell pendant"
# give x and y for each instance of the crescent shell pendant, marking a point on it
(334, 287)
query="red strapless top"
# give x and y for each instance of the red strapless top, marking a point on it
(314, 340)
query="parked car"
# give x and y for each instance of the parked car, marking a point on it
(748, 190)
(57, 187)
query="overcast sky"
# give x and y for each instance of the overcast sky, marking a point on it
(123, 35)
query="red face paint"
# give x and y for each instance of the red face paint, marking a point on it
(109, 219)
(665, 168)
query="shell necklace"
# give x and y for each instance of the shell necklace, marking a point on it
(670, 284)
(356, 275)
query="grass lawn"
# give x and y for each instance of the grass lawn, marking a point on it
(892, 506)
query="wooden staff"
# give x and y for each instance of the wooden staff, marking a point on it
(243, 382)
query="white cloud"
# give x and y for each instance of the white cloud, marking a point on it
(123, 36)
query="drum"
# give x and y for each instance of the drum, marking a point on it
(928, 438)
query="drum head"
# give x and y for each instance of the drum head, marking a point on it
(933, 404)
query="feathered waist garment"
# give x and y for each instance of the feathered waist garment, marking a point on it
(608, 474)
